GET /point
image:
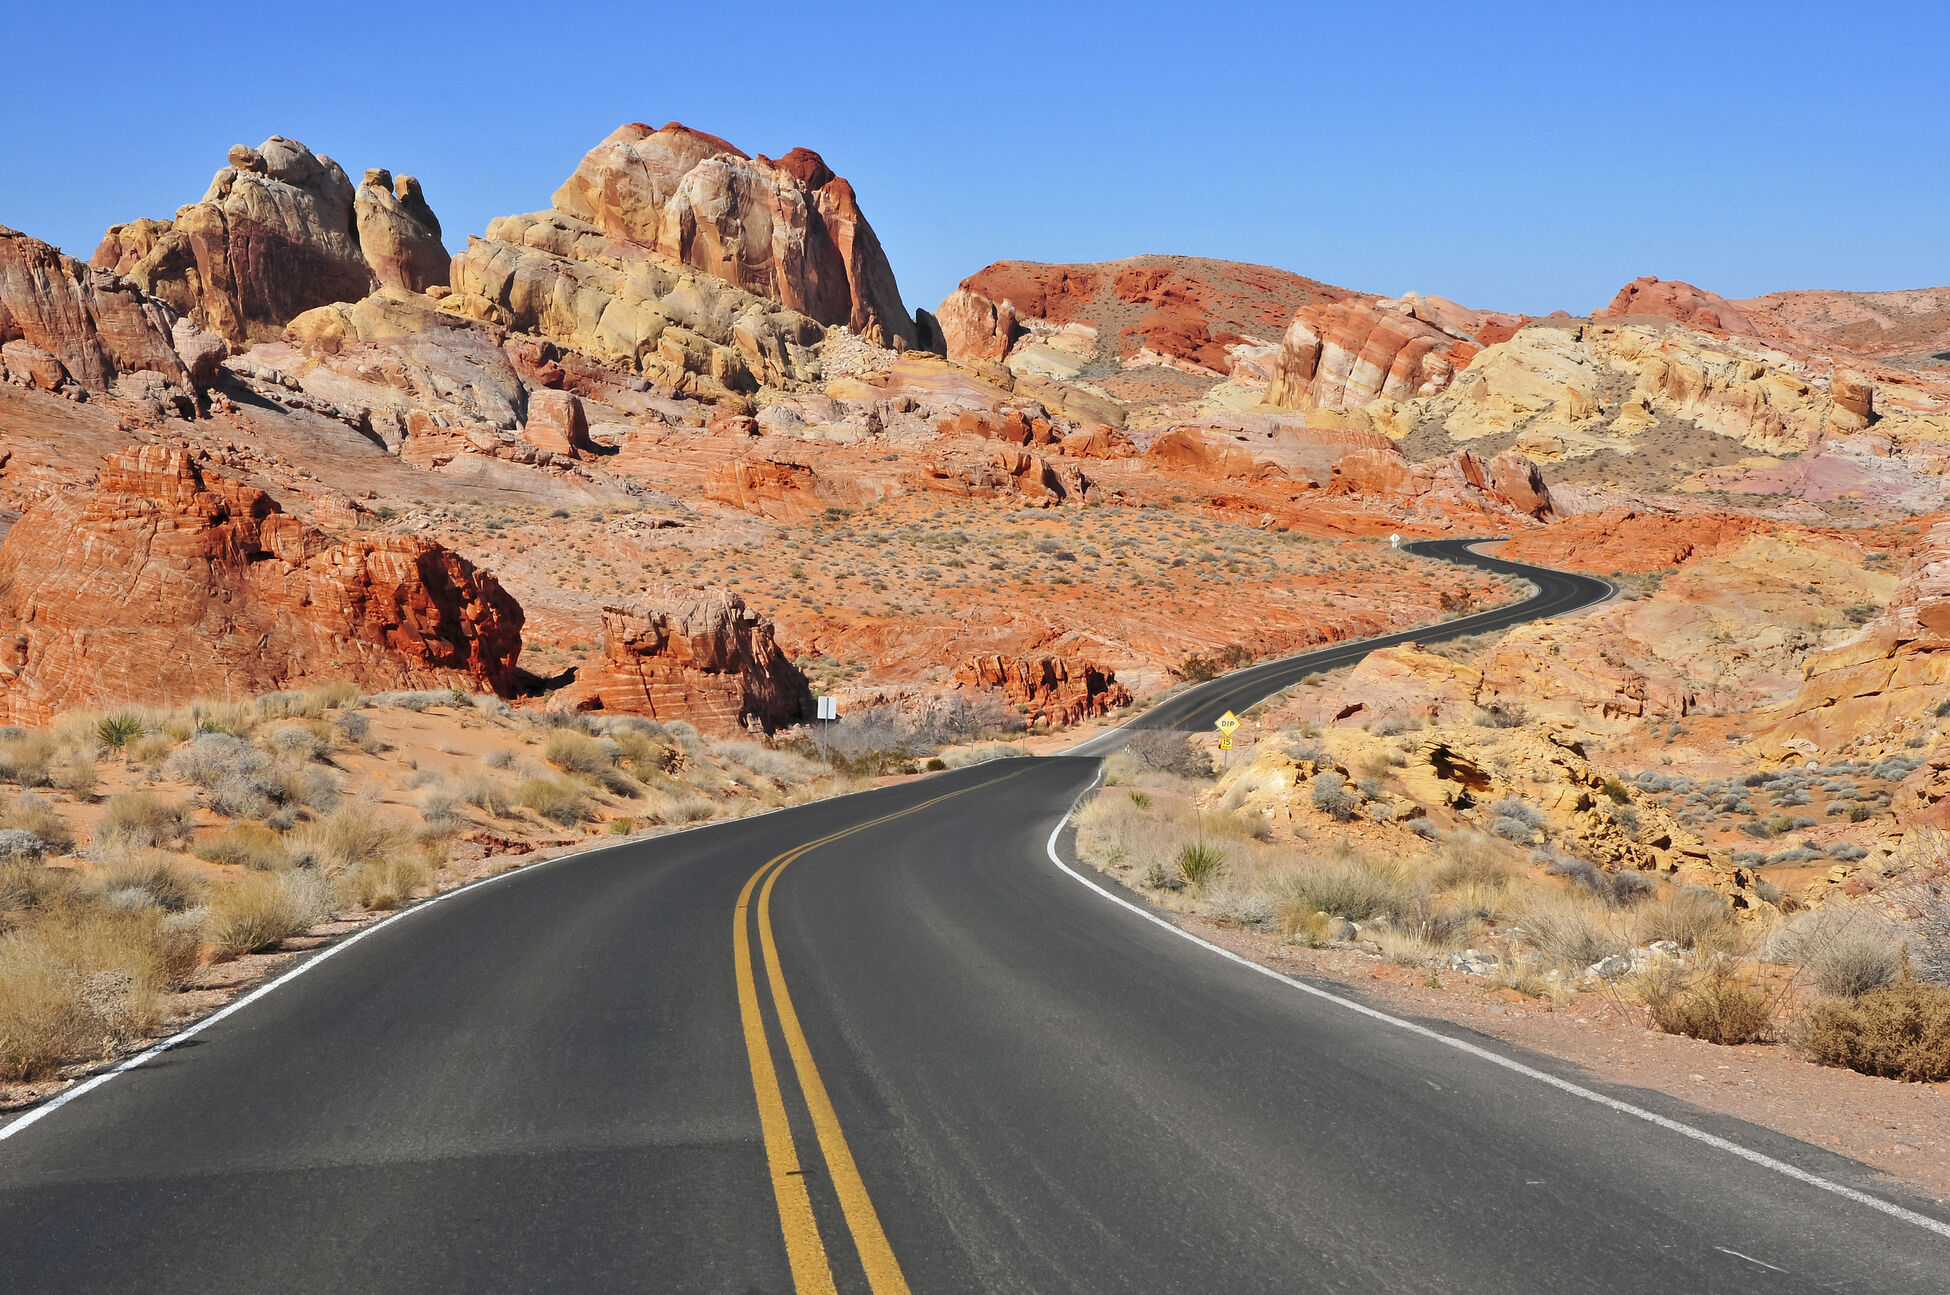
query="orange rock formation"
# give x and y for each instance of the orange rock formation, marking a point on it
(1049, 690)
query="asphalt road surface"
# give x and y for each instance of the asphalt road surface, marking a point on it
(886, 1043)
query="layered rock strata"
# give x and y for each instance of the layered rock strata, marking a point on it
(702, 657)
(165, 584)
(1047, 690)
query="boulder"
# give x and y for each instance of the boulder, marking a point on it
(1854, 397)
(165, 583)
(790, 231)
(556, 422)
(91, 324)
(975, 328)
(697, 656)
(1048, 690)
(1460, 481)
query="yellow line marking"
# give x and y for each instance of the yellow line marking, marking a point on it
(811, 1270)
(803, 1249)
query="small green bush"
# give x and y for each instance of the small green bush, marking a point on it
(1200, 863)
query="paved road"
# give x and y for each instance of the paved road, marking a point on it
(980, 1076)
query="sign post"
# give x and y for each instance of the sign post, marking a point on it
(828, 709)
(1227, 724)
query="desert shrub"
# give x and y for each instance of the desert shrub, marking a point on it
(262, 909)
(554, 799)
(1716, 1007)
(1570, 928)
(136, 818)
(1242, 906)
(588, 757)
(439, 806)
(115, 732)
(235, 776)
(1423, 828)
(1331, 797)
(499, 759)
(16, 843)
(1693, 917)
(1353, 887)
(485, 793)
(776, 766)
(1615, 791)
(85, 979)
(297, 742)
(1200, 863)
(349, 838)
(1468, 858)
(1168, 751)
(1631, 887)
(1845, 952)
(353, 727)
(1899, 1031)
(27, 758)
(1114, 829)
(246, 845)
(389, 881)
(418, 700)
(1502, 715)
(621, 826)
(152, 877)
(334, 695)
(78, 776)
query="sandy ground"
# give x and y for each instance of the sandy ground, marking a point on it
(1901, 1129)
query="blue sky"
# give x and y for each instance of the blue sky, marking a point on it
(1520, 157)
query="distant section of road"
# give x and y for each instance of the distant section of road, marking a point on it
(880, 1044)
(1195, 709)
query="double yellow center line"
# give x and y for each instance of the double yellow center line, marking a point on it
(812, 1273)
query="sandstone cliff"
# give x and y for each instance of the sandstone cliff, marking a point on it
(1047, 690)
(62, 322)
(279, 231)
(165, 584)
(790, 231)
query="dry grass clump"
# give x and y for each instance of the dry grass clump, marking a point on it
(1846, 952)
(556, 799)
(1717, 1005)
(588, 757)
(247, 845)
(1692, 917)
(1570, 927)
(135, 818)
(484, 793)
(27, 758)
(83, 978)
(1898, 1031)
(154, 878)
(1350, 885)
(261, 909)
(34, 815)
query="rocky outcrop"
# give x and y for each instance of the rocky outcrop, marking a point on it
(279, 231)
(1676, 299)
(1182, 312)
(788, 230)
(1462, 479)
(62, 322)
(1631, 540)
(399, 236)
(1048, 690)
(702, 657)
(165, 584)
(1889, 678)
(1352, 353)
(1041, 481)
(563, 279)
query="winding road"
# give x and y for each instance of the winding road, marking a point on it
(892, 1042)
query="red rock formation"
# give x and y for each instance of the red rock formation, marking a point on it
(1676, 299)
(164, 584)
(789, 230)
(62, 321)
(1187, 309)
(701, 657)
(764, 487)
(1190, 449)
(1352, 353)
(1050, 690)
(556, 422)
(1461, 480)
(1008, 471)
(1630, 540)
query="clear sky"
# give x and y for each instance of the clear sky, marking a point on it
(1519, 157)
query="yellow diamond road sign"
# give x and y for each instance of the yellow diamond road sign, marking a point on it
(1228, 723)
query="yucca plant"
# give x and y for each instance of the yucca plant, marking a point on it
(1200, 864)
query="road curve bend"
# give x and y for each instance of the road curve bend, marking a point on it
(880, 1044)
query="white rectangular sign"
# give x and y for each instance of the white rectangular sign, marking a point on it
(828, 708)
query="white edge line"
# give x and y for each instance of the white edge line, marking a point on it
(1781, 1167)
(177, 1039)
